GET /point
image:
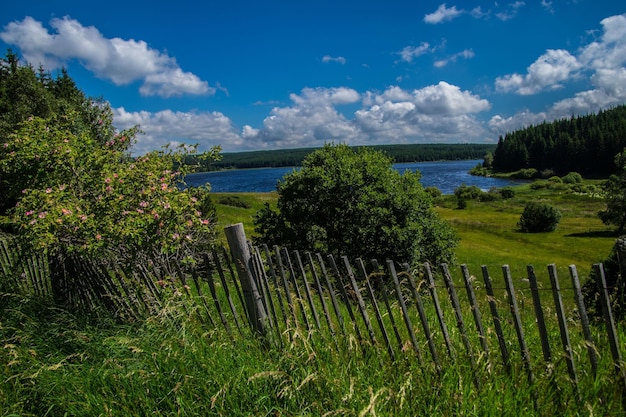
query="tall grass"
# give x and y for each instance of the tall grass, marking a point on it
(56, 363)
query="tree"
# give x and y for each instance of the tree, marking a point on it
(539, 217)
(70, 186)
(615, 196)
(353, 203)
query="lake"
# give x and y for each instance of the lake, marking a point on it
(445, 175)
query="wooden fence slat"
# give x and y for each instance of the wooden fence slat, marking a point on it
(307, 290)
(497, 321)
(296, 287)
(346, 300)
(269, 300)
(609, 321)
(584, 320)
(331, 293)
(423, 318)
(320, 292)
(216, 301)
(359, 300)
(283, 275)
(383, 290)
(225, 286)
(379, 318)
(475, 310)
(508, 281)
(270, 266)
(405, 313)
(456, 305)
(541, 322)
(442, 323)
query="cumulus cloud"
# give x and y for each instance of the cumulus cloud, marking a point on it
(511, 11)
(206, 129)
(410, 52)
(547, 72)
(338, 59)
(604, 59)
(467, 54)
(442, 14)
(118, 60)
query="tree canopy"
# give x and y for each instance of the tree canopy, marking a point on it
(353, 203)
(585, 144)
(70, 185)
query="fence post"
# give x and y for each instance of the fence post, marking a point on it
(242, 257)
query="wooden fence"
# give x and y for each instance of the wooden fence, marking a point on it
(490, 323)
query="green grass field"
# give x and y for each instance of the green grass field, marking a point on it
(55, 363)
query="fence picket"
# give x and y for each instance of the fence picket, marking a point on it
(584, 320)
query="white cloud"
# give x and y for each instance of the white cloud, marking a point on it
(206, 129)
(604, 58)
(410, 52)
(339, 59)
(547, 72)
(442, 14)
(511, 11)
(118, 60)
(467, 54)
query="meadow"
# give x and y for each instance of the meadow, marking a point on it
(56, 363)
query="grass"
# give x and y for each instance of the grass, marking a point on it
(56, 363)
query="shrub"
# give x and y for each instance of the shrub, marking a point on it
(555, 180)
(572, 178)
(539, 217)
(507, 192)
(434, 192)
(233, 201)
(526, 174)
(353, 203)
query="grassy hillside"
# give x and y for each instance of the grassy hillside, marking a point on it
(488, 229)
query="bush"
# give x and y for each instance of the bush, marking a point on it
(507, 192)
(526, 174)
(572, 178)
(434, 192)
(353, 203)
(539, 217)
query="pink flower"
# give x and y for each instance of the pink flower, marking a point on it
(48, 190)
(107, 180)
(109, 189)
(29, 212)
(66, 212)
(62, 187)
(33, 221)
(164, 186)
(140, 211)
(205, 221)
(42, 214)
(98, 236)
(143, 204)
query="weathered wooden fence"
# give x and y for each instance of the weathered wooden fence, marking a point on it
(284, 296)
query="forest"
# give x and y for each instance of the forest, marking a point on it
(584, 144)
(294, 157)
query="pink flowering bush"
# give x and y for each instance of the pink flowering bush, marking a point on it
(79, 195)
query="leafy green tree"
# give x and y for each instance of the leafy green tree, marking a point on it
(539, 217)
(70, 186)
(353, 203)
(614, 190)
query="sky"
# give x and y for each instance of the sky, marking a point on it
(251, 75)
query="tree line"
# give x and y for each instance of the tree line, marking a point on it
(585, 144)
(295, 157)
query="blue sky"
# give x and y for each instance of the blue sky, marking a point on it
(250, 75)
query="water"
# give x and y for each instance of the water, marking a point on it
(446, 176)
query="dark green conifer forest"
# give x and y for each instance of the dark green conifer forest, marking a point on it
(585, 144)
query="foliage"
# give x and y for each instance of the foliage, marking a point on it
(539, 217)
(73, 187)
(615, 283)
(353, 203)
(572, 178)
(584, 144)
(614, 190)
(294, 157)
(507, 192)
